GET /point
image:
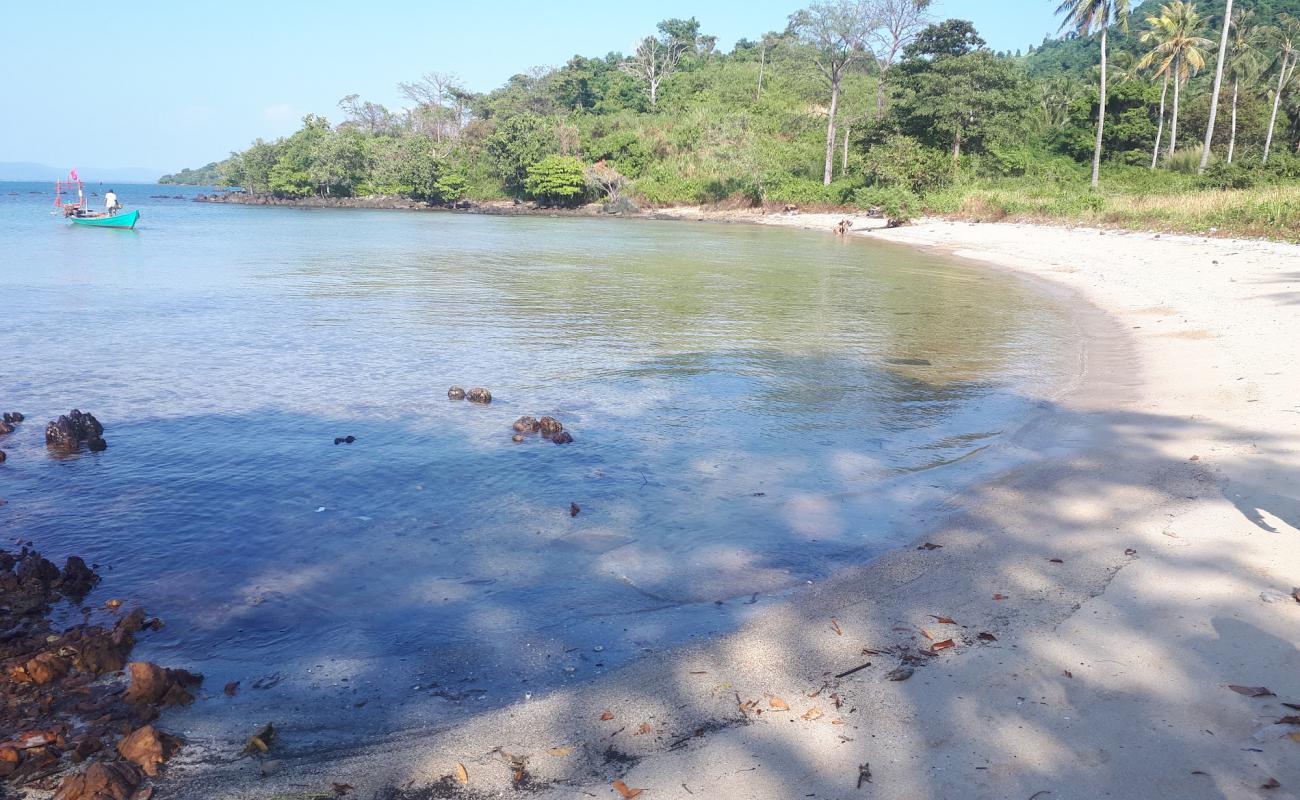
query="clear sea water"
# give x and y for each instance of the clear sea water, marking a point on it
(745, 403)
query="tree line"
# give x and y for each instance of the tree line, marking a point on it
(870, 102)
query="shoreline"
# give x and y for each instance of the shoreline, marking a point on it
(1103, 670)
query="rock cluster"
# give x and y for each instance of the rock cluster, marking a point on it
(549, 427)
(66, 433)
(54, 712)
(475, 395)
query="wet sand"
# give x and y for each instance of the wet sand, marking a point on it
(1099, 599)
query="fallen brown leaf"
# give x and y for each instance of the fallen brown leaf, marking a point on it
(943, 620)
(1295, 737)
(1069, 674)
(231, 688)
(999, 597)
(778, 704)
(1296, 706)
(1252, 691)
(812, 714)
(341, 789)
(560, 752)
(627, 792)
(929, 546)
(606, 716)
(927, 634)
(1291, 720)
(944, 645)
(837, 721)
(985, 636)
(1130, 552)
(462, 774)
(835, 626)
(644, 728)
(1271, 783)
(1055, 561)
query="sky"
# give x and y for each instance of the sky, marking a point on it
(166, 85)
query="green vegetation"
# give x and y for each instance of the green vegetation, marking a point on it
(207, 175)
(868, 103)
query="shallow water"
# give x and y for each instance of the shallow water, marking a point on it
(743, 424)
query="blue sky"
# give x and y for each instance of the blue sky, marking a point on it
(172, 84)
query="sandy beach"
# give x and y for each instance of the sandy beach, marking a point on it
(1074, 634)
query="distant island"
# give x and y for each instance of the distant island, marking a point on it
(207, 175)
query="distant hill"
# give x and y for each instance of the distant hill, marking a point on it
(207, 175)
(29, 171)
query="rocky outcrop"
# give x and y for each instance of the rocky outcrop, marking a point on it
(66, 433)
(479, 395)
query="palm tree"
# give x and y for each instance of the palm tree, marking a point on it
(1178, 53)
(1246, 45)
(1087, 17)
(1286, 38)
(1160, 130)
(1218, 84)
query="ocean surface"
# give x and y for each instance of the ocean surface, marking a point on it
(752, 408)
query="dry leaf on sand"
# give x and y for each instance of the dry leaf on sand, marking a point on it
(627, 792)
(812, 714)
(560, 752)
(944, 645)
(606, 716)
(1252, 691)
(778, 704)
(462, 774)
(835, 626)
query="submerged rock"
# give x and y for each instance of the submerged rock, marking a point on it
(2, 456)
(549, 426)
(479, 395)
(518, 437)
(526, 424)
(155, 685)
(6, 427)
(455, 393)
(116, 781)
(563, 437)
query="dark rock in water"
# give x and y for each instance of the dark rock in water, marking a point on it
(13, 417)
(563, 437)
(908, 362)
(349, 439)
(455, 393)
(2, 456)
(526, 424)
(69, 431)
(5, 427)
(77, 578)
(338, 440)
(549, 426)
(574, 509)
(518, 437)
(97, 445)
(479, 395)
(32, 568)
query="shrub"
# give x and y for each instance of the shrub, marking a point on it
(557, 179)
(903, 162)
(1222, 175)
(1186, 160)
(898, 205)
(805, 191)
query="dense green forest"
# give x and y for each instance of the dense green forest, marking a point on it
(207, 175)
(871, 103)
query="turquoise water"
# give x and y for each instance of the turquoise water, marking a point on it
(746, 410)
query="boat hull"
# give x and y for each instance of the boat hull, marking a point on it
(126, 220)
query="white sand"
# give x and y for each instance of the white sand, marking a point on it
(1109, 673)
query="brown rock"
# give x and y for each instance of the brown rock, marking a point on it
(525, 424)
(46, 668)
(147, 748)
(155, 685)
(115, 781)
(549, 426)
(9, 760)
(455, 393)
(479, 395)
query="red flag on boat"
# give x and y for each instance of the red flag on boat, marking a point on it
(73, 175)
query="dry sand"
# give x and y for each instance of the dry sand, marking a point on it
(1138, 564)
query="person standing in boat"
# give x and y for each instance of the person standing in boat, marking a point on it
(110, 201)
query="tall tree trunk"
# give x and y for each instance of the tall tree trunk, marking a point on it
(1101, 116)
(1232, 138)
(1155, 151)
(844, 159)
(880, 94)
(1277, 99)
(1218, 84)
(1173, 123)
(830, 131)
(654, 90)
(956, 149)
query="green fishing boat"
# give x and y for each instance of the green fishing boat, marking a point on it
(78, 212)
(126, 219)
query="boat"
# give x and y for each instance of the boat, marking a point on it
(125, 219)
(78, 213)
